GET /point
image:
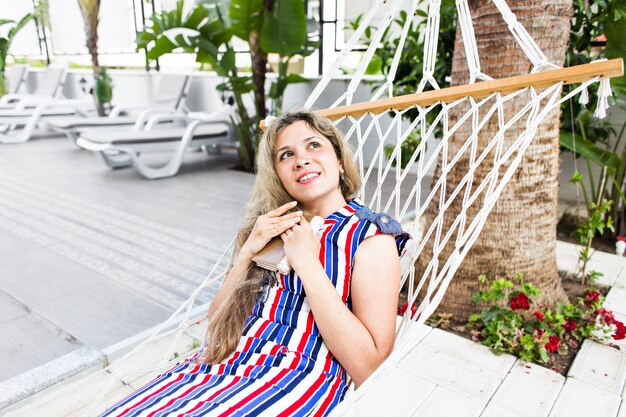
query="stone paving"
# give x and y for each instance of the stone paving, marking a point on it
(91, 256)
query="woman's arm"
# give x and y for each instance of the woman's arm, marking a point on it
(237, 272)
(360, 339)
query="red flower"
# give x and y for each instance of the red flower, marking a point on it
(519, 302)
(553, 344)
(402, 309)
(570, 325)
(609, 319)
(606, 315)
(592, 297)
(539, 315)
(620, 330)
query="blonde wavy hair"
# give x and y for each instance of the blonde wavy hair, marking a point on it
(226, 326)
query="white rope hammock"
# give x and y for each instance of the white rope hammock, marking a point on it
(380, 122)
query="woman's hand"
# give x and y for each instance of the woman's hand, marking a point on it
(270, 225)
(302, 246)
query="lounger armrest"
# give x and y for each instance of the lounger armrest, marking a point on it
(117, 111)
(143, 117)
(222, 116)
(13, 98)
(80, 106)
(51, 102)
(164, 117)
(33, 101)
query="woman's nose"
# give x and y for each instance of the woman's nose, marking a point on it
(302, 161)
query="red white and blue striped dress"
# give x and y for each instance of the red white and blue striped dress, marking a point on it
(281, 367)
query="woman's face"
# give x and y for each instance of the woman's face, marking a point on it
(306, 163)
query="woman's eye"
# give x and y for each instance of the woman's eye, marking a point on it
(315, 145)
(284, 155)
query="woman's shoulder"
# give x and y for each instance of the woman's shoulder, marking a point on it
(383, 222)
(377, 223)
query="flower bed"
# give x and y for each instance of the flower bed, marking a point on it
(510, 321)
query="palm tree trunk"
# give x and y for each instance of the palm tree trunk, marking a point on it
(90, 10)
(259, 69)
(259, 66)
(520, 233)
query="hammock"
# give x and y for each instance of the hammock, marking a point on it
(371, 125)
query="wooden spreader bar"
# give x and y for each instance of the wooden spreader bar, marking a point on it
(570, 75)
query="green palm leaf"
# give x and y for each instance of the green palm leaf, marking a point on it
(284, 28)
(590, 151)
(199, 32)
(246, 16)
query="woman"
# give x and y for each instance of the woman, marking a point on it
(287, 345)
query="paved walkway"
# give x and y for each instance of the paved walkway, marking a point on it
(92, 256)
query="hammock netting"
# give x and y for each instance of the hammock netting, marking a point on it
(493, 143)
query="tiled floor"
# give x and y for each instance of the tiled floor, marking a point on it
(92, 256)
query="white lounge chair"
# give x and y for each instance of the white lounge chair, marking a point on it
(49, 86)
(17, 124)
(168, 98)
(122, 148)
(15, 76)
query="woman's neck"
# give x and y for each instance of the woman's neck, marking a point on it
(323, 208)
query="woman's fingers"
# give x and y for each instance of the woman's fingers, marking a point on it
(283, 225)
(275, 222)
(288, 223)
(288, 216)
(282, 209)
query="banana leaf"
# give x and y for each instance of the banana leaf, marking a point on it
(246, 16)
(616, 38)
(4, 50)
(590, 151)
(5, 42)
(278, 87)
(13, 31)
(284, 28)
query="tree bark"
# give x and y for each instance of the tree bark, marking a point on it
(259, 65)
(90, 10)
(259, 69)
(520, 233)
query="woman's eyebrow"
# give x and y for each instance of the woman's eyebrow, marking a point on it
(303, 140)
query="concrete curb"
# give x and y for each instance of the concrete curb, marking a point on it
(48, 374)
(86, 360)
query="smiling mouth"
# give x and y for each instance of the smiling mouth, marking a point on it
(308, 177)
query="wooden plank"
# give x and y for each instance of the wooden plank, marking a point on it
(571, 75)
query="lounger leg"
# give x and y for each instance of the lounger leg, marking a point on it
(73, 136)
(213, 149)
(25, 133)
(21, 137)
(172, 167)
(115, 163)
